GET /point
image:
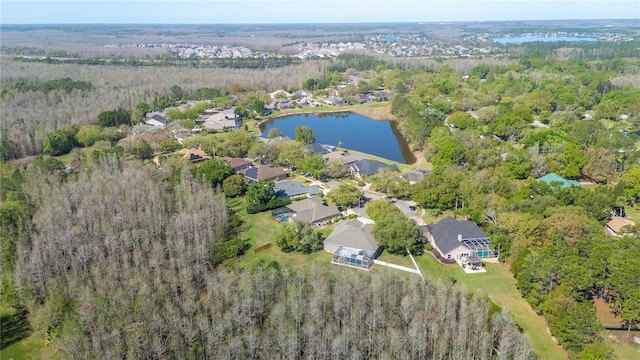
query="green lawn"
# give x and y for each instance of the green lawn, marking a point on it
(259, 231)
(31, 348)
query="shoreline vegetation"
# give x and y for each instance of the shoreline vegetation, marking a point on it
(375, 111)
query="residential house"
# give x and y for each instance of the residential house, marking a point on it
(347, 158)
(155, 119)
(459, 239)
(380, 95)
(292, 189)
(361, 98)
(335, 101)
(282, 104)
(318, 149)
(354, 234)
(367, 167)
(280, 94)
(415, 176)
(619, 226)
(352, 244)
(555, 179)
(312, 210)
(254, 174)
(194, 155)
(221, 120)
(238, 164)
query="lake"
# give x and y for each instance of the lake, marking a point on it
(357, 132)
(524, 39)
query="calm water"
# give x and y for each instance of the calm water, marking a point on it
(357, 132)
(524, 39)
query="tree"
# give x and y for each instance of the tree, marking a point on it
(261, 196)
(141, 150)
(298, 235)
(396, 233)
(336, 168)
(600, 166)
(176, 92)
(89, 135)
(161, 102)
(257, 106)
(519, 162)
(265, 153)
(291, 152)
(274, 133)
(462, 120)
(345, 195)
(631, 185)
(169, 146)
(213, 171)
(59, 142)
(436, 191)
(378, 209)
(574, 161)
(107, 118)
(236, 144)
(305, 135)
(389, 182)
(573, 323)
(312, 165)
(234, 185)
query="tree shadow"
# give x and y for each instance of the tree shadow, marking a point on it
(14, 327)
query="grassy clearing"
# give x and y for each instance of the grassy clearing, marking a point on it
(31, 348)
(259, 229)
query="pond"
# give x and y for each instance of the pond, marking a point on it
(356, 132)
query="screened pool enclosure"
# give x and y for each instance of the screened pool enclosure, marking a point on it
(361, 259)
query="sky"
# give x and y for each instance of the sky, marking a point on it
(307, 11)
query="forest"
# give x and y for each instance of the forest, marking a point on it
(106, 253)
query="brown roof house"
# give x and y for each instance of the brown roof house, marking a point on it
(619, 226)
(257, 173)
(238, 164)
(194, 155)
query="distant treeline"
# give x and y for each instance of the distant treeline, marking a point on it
(66, 84)
(236, 63)
(597, 50)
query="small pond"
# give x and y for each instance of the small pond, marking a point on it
(357, 132)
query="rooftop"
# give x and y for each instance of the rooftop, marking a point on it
(449, 233)
(353, 234)
(555, 178)
(313, 210)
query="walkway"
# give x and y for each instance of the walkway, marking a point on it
(399, 267)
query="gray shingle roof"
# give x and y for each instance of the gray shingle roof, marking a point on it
(292, 188)
(369, 167)
(313, 210)
(445, 233)
(354, 234)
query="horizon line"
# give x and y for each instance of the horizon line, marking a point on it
(327, 23)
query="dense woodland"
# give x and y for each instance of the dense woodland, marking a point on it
(119, 261)
(121, 258)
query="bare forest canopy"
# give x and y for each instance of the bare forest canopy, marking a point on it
(118, 261)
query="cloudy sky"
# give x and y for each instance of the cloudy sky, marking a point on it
(307, 11)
